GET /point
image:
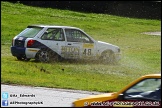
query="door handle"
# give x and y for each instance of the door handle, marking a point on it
(69, 43)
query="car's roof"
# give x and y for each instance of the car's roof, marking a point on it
(149, 75)
(53, 26)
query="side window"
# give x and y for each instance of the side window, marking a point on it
(30, 32)
(76, 36)
(53, 34)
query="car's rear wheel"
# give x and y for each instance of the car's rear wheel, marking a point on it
(107, 57)
(21, 58)
(46, 56)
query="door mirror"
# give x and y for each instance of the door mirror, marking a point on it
(121, 97)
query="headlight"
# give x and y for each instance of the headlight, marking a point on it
(118, 49)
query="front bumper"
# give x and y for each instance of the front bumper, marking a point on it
(117, 56)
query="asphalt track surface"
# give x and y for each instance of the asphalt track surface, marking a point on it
(26, 96)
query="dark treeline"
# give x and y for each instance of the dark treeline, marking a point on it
(136, 9)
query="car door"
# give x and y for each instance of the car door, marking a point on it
(54, 39)
(79, 45)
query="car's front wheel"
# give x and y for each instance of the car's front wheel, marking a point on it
(107, 57)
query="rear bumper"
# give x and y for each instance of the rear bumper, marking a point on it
(27, 52)
(17, 51)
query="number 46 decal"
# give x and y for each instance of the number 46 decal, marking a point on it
(87, 52)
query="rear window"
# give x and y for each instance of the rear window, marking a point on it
(30, 32)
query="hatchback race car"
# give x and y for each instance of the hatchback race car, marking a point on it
(144, 91)
(48, 43)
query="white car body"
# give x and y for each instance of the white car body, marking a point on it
(36, 41)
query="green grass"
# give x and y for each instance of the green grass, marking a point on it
(141, 54)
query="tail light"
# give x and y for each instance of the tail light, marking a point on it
(30, 43)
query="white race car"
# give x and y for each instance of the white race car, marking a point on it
(48, 43)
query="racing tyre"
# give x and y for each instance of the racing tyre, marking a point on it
(46, 56)
(107, 57)
(23, 58)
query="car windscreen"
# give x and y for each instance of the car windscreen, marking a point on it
(30, 32)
